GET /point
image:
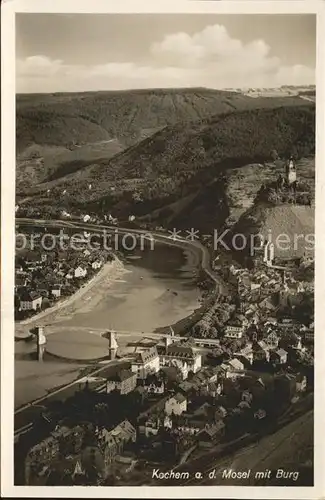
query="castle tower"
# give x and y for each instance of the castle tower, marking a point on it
(113, 345)
(291, 171)
(41, 342)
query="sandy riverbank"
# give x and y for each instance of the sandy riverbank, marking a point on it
(33, 379)
(93, 306)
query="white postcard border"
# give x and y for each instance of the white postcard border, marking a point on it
(8, 244)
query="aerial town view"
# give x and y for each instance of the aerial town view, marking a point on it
(164, 265)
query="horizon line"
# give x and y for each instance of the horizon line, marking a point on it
(144, 89)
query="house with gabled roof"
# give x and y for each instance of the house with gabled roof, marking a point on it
(145, 362)
(182, 356)
(211, 434)
(188, 424)
(124, 381)
(30, 301)
(234, 329)
(235, 365)
(96, 264)
(220, 413)
(279, 356)
(80, 272)
(154, 386)
(56, 290)
(150, 425)
(246, 353)
(113, 442)
(176, 404)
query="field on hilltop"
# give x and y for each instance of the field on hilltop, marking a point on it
(117, 119)
(39, 163)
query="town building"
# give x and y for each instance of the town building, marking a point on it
(97, 264)
(20, 281)
(235, 365)
(124, 382)
(80, 272)
(187, 424)
(279, 356)
(261, 351)
(301, 383)
(185, 357)
(215, 389)
(154, 386)
(63, 440)
(234, 330)
(145, 362)
(113, 442)
(176, 405)
(56, 291)
(211, 434)
(70, 274)
(43, 289)
(246, 354)
(220, 413)
(151, 425)
(30, 301)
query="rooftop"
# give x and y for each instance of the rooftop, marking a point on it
(146, 355)
(28, 296)
(180, 398)
(180, 351)
(121, 376)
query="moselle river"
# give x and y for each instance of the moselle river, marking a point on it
(158, 288)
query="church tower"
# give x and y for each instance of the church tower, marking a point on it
(291, 172)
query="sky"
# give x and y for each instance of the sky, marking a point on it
(85, 52)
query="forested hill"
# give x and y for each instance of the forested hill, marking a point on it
(129, 116)
(174, 168)
(177, 153)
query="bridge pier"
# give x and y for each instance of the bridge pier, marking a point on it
(41, 342)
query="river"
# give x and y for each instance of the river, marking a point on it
(158, 288)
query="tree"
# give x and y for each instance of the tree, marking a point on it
(273, 196)
(274, 155)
